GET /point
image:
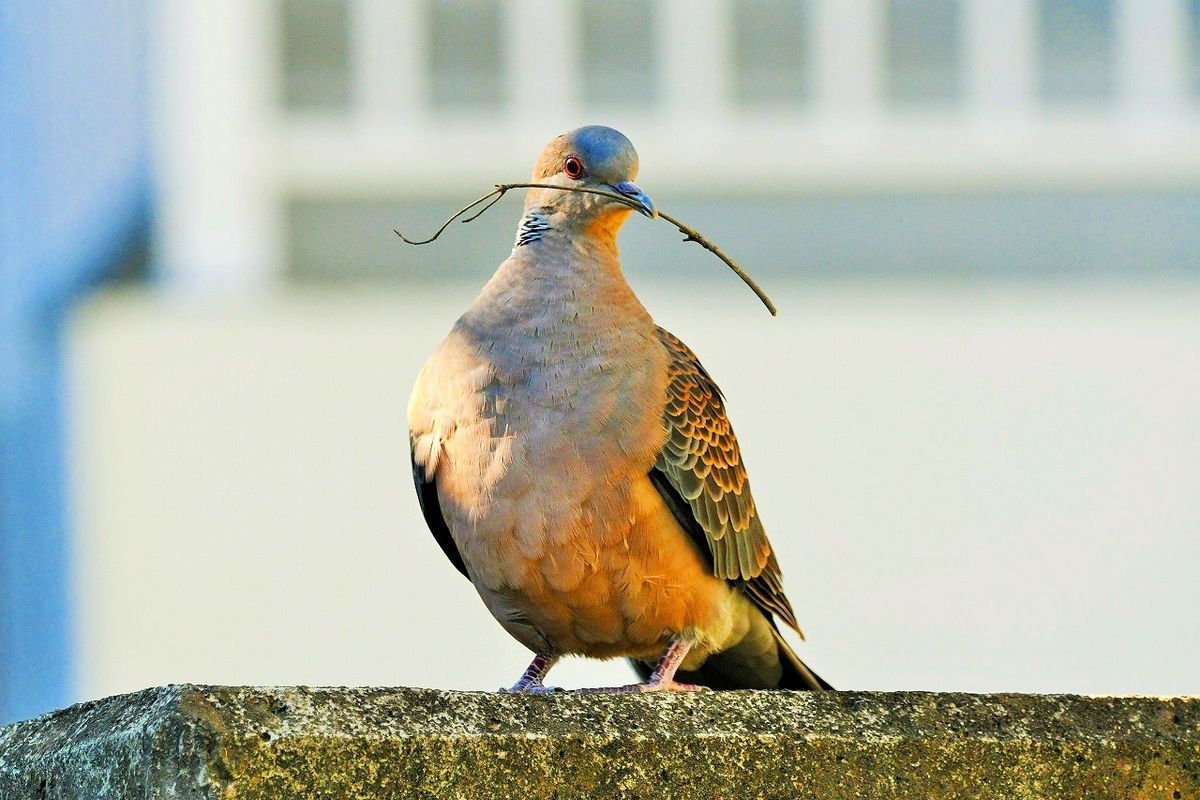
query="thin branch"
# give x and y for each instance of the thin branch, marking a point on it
(504, 187)
(689, 234)
(693, 235)
(455, 216)
(480, 212)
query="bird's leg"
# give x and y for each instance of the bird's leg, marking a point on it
(663, 677)
(531, 679)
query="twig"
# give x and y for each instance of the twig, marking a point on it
(693, 235)
(689, 234)
(455, 216)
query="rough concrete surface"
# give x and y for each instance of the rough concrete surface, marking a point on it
(249, 743)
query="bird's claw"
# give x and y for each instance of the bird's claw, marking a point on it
(672, 686)
(531, 688)
(644, 688)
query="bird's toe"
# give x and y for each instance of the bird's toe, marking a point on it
(529, 688)
(671, 686)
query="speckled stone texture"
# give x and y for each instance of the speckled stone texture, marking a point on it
(250, 743)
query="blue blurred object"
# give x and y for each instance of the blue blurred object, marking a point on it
(74, 192)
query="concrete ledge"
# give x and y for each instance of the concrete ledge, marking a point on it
(250, 743)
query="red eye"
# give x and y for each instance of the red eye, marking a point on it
(573, 167)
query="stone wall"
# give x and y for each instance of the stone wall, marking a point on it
(249, 743)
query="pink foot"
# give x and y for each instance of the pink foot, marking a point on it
(663, 677)
(671, 686)
(648, 686)
(531, 679)
(533, 688)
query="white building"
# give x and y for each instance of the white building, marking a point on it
(973, 430)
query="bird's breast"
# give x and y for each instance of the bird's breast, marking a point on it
(539, 416)
(543, 437)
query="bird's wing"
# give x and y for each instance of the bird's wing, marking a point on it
(700, 475)
(431, 508)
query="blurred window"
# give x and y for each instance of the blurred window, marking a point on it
(316, 55)
(770, 52)
(466, 61)
(350, 240)
(1193, 12)
(1000, 235)
(620, 63)
(924, 52)
(1076, 50)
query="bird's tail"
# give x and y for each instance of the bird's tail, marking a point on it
(761, 660)
(796, 674)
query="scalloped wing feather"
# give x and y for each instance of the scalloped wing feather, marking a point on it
(702, 462)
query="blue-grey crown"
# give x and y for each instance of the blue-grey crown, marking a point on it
(608, 154)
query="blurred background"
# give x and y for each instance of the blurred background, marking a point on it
(973, 431)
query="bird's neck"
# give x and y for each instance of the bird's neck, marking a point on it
(549, 226)
(562, 269)
(533, 227)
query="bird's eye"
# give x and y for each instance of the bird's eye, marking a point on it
(573, 167)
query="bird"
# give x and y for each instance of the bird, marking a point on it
(575, 461)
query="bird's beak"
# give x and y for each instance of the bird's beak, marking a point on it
(644, 204)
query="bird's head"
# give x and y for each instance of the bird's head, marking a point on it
(593, 157)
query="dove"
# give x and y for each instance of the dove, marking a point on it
(576, 462)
